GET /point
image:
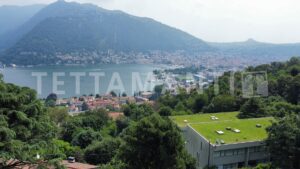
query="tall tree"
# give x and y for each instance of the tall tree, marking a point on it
(165, 111)
(102, 152)
(253, 108)
(199, 102)
(284, 142)
(58, 114)
(154, 142)
(137, 112)
(113, 94)
(85, 137)
(91, 119)
(51, 100)
(293, 95)
(26, 130)
(84, 106)
(222, 103)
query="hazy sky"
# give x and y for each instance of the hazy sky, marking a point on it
(275, 21)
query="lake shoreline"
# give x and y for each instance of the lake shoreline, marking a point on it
(23, 76)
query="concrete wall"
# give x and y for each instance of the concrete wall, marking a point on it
(198, 147)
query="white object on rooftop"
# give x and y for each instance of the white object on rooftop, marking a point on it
(220, 132)
(237, 130)
(214, 117)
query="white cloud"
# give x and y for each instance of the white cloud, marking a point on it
(214, 20)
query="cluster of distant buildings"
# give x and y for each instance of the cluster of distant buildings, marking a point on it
(77, 105)
(179, 57)
(189, 81)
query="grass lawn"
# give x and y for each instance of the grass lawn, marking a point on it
(198, 118)
(247, 127)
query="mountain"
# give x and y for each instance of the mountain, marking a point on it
(60, 8)
(258, 50)
(11, 17)
(64, 28)
(65, 32)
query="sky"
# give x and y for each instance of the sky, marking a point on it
(276, 21)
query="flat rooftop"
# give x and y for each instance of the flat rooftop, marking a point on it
(226, 128)
(198, 118)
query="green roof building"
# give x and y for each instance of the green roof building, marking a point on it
(223, 140)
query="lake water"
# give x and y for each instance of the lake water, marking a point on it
(62, 79)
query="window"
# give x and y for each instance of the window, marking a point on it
(217, 154)
(241, 151)
(256, 149)
(230, 166)
(229, 152)
(234, 152)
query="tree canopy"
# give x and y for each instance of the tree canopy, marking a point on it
(26, 129)
(284, 142)
(154, 142)
(102, 152)
(253, 108)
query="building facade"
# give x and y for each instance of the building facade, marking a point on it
(223, 156)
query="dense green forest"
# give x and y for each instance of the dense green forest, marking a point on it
(26, 130)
